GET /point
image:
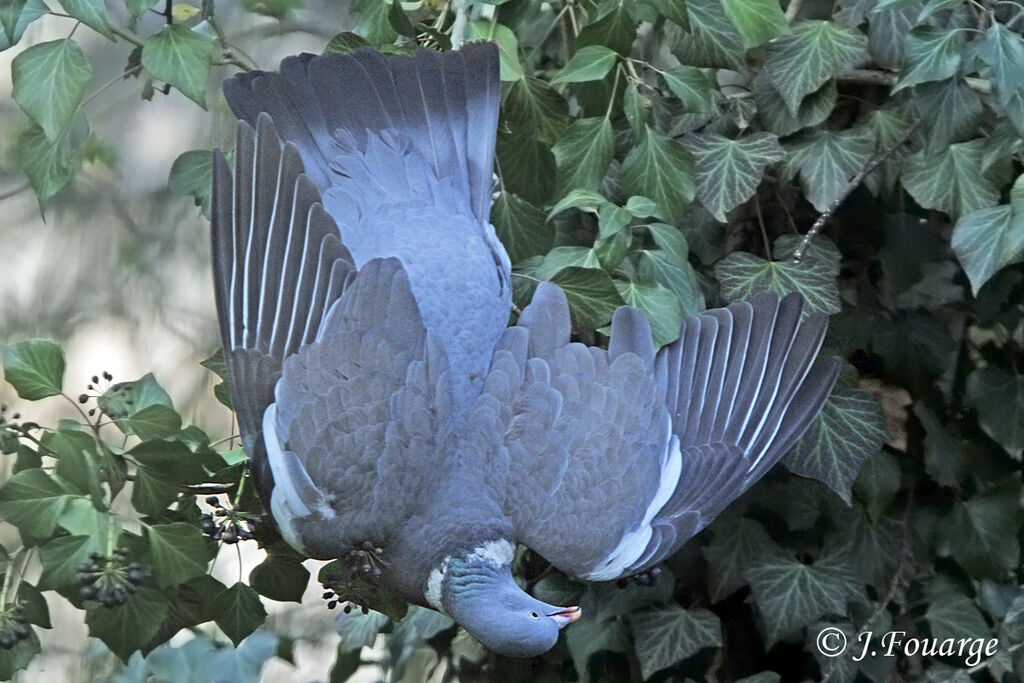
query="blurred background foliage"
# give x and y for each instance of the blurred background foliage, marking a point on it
(669, 154)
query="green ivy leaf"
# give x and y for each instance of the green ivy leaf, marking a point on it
(803, 61)
(997, 396)
(192, 175)
(757, 21)
(139, 7)
(563, 257)
(346, 42)
(534, 107)
(32, 501)
(952, 181)
(827, 161)
(692, 86)
(61, 558)
(729, 171)
(943, 454)
(521, 227)
(931, 55)
(171, 461)
(664, 637)
(33, 605)
(951, 111)
(131, 626)
(743, 275)
(954, 617)
(180, 552)
(508, 46)
(1002, 51)
(615, 29)
(77, 459)
(986, 240)
(180, 57)
(280, 577)
(775, 115)
(141, 408)
(591, 293)
(982, 533)
(709, 39)
(48, 83)
(661, 306)
(849, 429)
(588, 637)
(17, 658)
(791, 595)
(34, 367)
(736, 543)
(661, 169)
(591, 63)
(583, 154)
(92, 13)
(239, 611)
(151, 494)
(15, 17)
(50, 164)
(359, 630)
(660, 266)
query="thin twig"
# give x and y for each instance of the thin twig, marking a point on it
(886, 78)
(850, 187)
(764, 233)
(793, 9)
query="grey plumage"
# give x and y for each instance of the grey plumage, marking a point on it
(363, 298)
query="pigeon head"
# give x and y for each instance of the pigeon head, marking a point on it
(482, 596)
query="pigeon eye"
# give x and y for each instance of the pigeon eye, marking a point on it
(534, 615)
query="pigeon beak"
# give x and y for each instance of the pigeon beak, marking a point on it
(566, 615)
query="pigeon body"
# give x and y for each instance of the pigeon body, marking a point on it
(363, 300)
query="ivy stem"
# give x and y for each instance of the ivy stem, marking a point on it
(547, 33)
(850, 187)
(127, 35)
(10, 573)
(615, 86)
(793, 9)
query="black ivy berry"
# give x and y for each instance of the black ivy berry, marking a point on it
(14, 628)
(109, 580)
(226, 523)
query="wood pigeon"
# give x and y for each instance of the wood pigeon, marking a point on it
(363, 300)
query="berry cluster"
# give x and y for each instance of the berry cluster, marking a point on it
(367, 560)
(14, 627)
(334, 598)
(226, 523)
(647, 578)
(98, 392)
(110, 580)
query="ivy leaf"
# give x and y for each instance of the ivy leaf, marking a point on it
(931, 55)
(521, 227)
(757, 21)
(131, 626)
(791, 594)
(77, 458)
(997, 396)
(729, 171)
(774, 112)
(191, 175)
(742, 275)
(591, 293)
(952, 181)
(951, 111)
(34, 367)
(139, 7)
(888, 29)
(508, 46)
(710, 39)
(92, 13)
(32, 501)
(527, 166)
(179, 551)
(827, 161)
(583, 154)
(986, 240)
(48, 83)
(239, 611)
(982, 533)
(616, 29)
(532, 106)
(735, 543)
(61, 558)
(1002, 51)
(49, 164)
(803, 61)
(141, 408)
(661, 169)
(849, 429)
(359, 630)
(151, 494)
(661, 266)
(692, 86)
(588, 636)
(33, 605)
(180, 57)
(659, 304)
(664, 637)
(954, 617)
(591, 63)
(16, 16)
(943, 454)
(280, 577)
(17, 657)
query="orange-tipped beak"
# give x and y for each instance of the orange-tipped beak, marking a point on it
(566, 615)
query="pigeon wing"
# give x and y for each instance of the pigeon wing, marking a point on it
(615, 458)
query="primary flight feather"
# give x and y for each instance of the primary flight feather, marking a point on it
(363, 298)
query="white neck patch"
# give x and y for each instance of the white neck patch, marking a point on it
(498, 552)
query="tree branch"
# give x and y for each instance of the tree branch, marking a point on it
(886, 78)
(850, 187)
